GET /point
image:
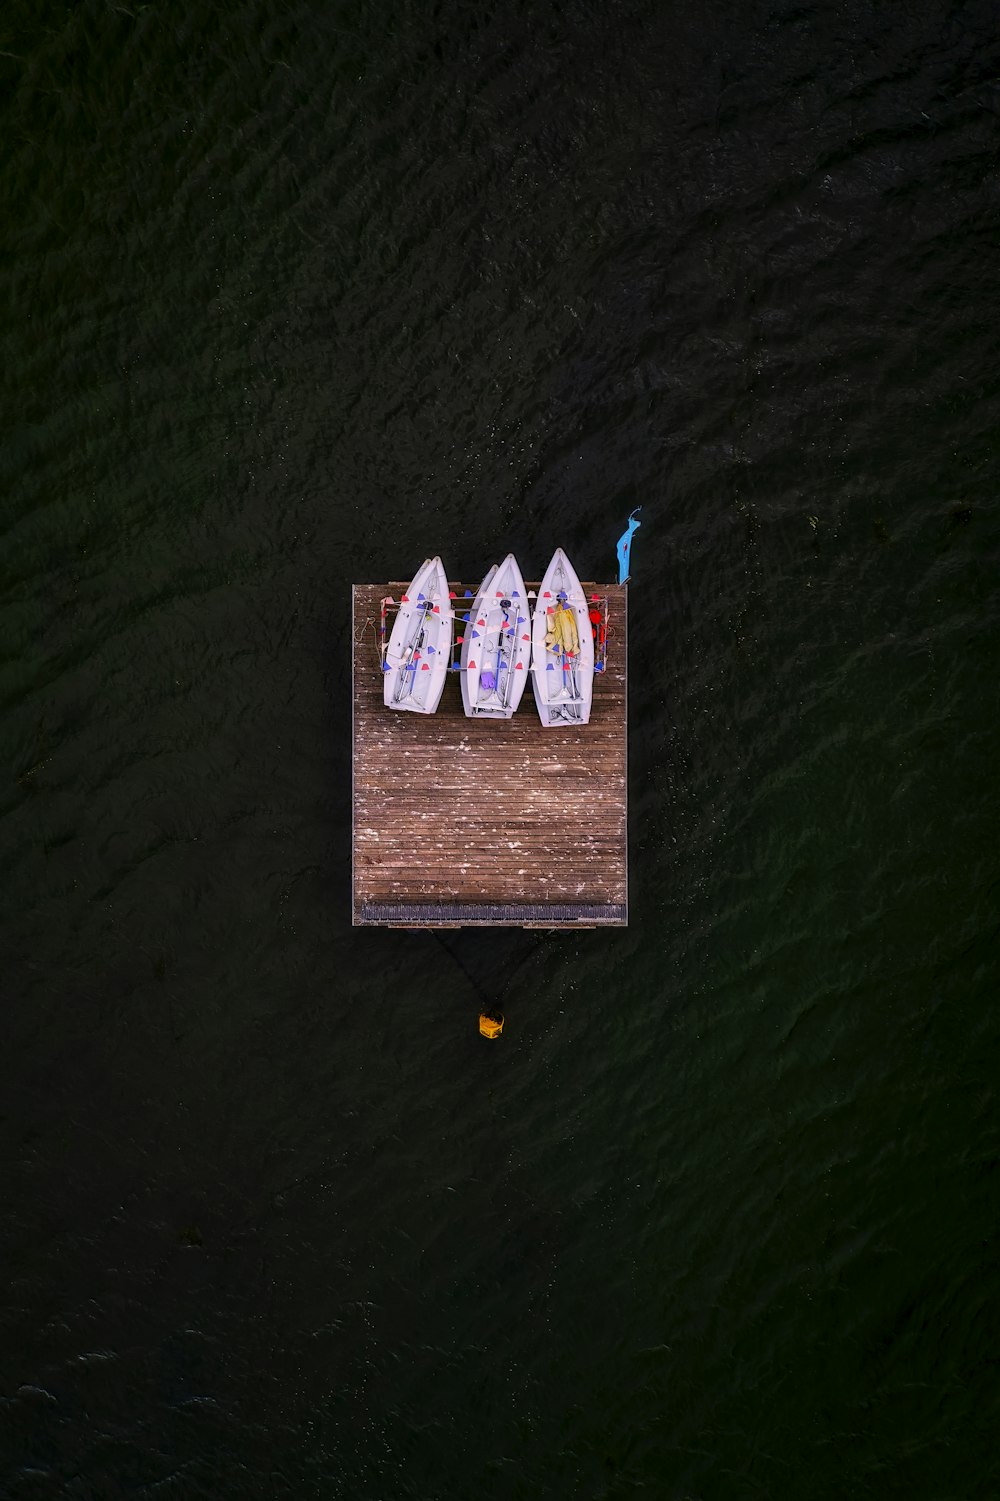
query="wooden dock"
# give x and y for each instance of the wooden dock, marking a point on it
(463, 822)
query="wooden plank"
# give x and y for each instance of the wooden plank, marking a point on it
(429, 849)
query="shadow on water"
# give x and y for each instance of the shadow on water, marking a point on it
(492, 961)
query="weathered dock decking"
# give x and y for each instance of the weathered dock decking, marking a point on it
(466, 822)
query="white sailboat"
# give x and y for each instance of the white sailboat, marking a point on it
(419, 650)
(496, 651)
(562, 647)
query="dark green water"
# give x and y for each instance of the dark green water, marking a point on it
(295, 295)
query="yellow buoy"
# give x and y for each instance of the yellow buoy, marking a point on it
(491, 1023)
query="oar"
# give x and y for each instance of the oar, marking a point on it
(415, 640)
(411, 667)
(571, 708)
(494, 692)
(565, 681)
(574, 691)
(573, 682)
(507, 607)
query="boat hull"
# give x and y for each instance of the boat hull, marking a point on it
(419, 649)
(496, 651)
(562, 678)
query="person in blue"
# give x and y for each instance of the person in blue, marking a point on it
(625, 547)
